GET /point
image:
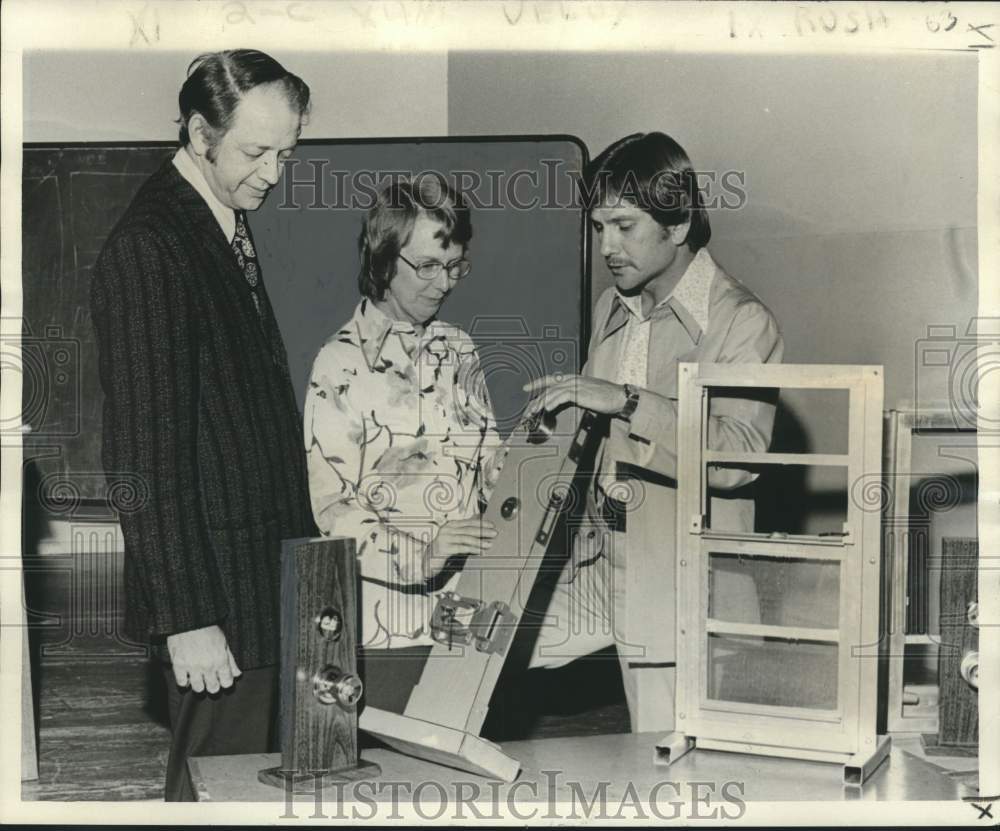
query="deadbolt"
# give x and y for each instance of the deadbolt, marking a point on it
(330, 624)
(509, 507)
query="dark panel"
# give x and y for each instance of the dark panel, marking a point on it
(72, 198)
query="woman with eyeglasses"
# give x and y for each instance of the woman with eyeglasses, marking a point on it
(399, 432)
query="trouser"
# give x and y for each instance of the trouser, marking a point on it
(588, 614)
(237, 720)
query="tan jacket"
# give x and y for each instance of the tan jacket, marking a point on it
(710, 317)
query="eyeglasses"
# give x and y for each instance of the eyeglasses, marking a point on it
(457, 269)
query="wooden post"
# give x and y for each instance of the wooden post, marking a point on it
(959, 717)
(320, 687)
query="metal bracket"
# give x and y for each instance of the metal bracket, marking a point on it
(587, 422)
(493, 627)
(552, 511)
(468, 621)
(697, 524)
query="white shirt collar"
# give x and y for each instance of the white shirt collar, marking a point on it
(693, 290)
(373, 327)
(226, 217)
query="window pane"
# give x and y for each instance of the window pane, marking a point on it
(770, 671)
(774, 591)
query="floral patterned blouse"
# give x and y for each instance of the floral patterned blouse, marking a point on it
(400, 438)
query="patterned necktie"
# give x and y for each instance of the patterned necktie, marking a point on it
(246, 257)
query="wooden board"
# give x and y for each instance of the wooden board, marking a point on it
(475, 625)
(319, 682)
(958, 722)
(440, 744)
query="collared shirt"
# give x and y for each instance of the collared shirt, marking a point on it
(400, 436)
(709, 317)
(226, 217)
(690, 295)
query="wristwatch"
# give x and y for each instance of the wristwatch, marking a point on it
(631, 402)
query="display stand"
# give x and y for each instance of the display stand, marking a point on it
(907, 711)
(474, 625)
(320, 688)
(833, 720)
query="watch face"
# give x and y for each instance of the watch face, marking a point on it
(631, 402)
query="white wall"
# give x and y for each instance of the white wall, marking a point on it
(110, 96)
(829, 143)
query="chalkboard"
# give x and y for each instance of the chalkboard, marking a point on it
(71, 199)
(526, 302)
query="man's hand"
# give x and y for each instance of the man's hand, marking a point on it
(552, 392)
(457, 538)
(202, 659)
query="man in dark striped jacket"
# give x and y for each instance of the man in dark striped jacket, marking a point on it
(199, 403)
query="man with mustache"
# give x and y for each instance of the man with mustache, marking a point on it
(670, 303)
(199, 404)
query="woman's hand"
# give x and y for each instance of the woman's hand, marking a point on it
(457, 538)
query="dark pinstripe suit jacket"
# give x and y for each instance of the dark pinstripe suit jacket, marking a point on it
(198, 402)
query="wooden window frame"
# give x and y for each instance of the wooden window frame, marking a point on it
(848, 734)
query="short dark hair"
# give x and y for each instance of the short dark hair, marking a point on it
(389, 226)
(652, 172)
(216, 81)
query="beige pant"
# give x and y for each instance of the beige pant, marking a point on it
(586, 614)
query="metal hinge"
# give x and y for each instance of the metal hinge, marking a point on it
(466, 621)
